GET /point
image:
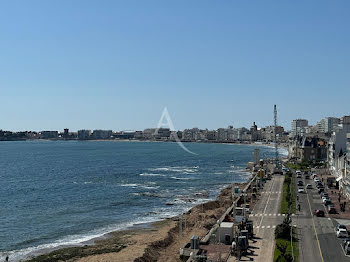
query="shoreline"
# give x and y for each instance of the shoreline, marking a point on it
(87, 250)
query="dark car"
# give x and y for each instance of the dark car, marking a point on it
(331, 209)
(345, 241)
(319, 213)
(300, 183)
(320, 190)
(324, 194)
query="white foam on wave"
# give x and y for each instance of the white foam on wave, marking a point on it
(151, 174)
(129, 185)
(177, 169)
(181, 178)
(150, 187)
(283, 151)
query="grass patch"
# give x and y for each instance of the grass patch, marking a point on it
(289, 191)
(277, 254)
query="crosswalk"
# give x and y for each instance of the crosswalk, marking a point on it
(262, 227)
(269, 192)
(268, 215)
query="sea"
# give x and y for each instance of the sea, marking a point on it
(56, 193)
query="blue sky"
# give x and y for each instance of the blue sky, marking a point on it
(117, 64)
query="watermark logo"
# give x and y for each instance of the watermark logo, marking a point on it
(169, 124)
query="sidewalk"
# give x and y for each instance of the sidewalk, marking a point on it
(323, 175)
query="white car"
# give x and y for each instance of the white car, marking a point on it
(325, 200)
(298, 175)
(341, 232)
(316, 180)
(309, 186)
(301, 190)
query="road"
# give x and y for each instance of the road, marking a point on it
(317, 238)
(265, 217)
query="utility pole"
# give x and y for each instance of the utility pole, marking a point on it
(277, 164)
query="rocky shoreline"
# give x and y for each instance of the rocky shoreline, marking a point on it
(159, 241)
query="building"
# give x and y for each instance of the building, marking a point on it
(345, 120)
(149, 133)
(126, 135)
(84, 134)
(337, 148)
(222, 134)
(65, 133)
(327, 125)
(346, 179)
(190, 134)
(298, 127)
(255, 133)
(309, 148)
(162, 133)
(102, 134)
(268, 133)
(49, 134)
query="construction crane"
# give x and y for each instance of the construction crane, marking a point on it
(277, 163)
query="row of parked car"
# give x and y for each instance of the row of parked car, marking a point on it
(324, 195)
(341, 230)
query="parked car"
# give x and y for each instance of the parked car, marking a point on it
(324, 194)
(326, 200)
(340, 226)
(320, 190)
(298, 175)
(346, 246)
(319, 213)
(309, 186)
(307, 176)
(341, 232)
(301, 190)
(331, 209)
(300, 183)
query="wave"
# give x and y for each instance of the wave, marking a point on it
(177, 169)
(151, 174)
(130, 185)
(283, 151)
(181, 178)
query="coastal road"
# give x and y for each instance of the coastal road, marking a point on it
(317, 238)
(265, 217)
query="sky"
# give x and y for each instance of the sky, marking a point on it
(117, 64)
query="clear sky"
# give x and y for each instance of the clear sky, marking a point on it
(117, 64)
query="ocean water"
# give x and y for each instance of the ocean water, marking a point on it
(55, 193)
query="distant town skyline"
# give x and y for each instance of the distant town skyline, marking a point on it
(116, 65)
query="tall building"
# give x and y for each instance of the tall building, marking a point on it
(66, 133)
(298, 127)
(327, 125)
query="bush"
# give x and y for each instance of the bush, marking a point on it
(284, 230)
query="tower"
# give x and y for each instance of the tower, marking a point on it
(277, 164)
